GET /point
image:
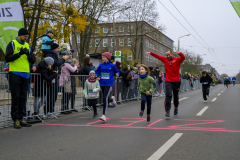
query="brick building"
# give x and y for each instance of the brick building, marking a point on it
(133, 36)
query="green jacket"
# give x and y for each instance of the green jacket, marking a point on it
(146, 84)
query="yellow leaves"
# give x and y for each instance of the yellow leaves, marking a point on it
(125, 54)
(79, 21)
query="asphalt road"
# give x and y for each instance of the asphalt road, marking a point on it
(200, 131)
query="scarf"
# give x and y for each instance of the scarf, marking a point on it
(143, 76)
(91, 80)
(20, 41)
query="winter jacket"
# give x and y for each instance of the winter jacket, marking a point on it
(126, 80)
(233, 79)
(64, 52)
(57, 63)
(85, 70)
(106, 72)
(146, 84)
(172, 68)
(134, 81)
(94, 94)
(46, 42)
(67, 69)
(226, 81)
(206, 81)
(43, 82)
(186, 76)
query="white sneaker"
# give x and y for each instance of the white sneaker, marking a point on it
(205, 101)
(103, 118)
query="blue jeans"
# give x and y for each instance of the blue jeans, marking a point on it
(145, 99)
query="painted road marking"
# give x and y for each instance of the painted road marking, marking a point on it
(160, 152)
(182, 99)
(221, 91)
(219, 94)
(202, 111)
(214, 99)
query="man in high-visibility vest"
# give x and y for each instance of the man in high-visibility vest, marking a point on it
(19, 55)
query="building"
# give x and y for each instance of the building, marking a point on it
(134, 37)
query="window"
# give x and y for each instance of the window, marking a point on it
(112, 42)
(105, 42)
(129, 42)
(97, 42)
(121, 29)
(97, 30)
(129, 56)
(90, 43)
(105, 30)
(130, 28)
(121, 42)
(78, 38)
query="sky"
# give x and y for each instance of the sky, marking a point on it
(215, 21)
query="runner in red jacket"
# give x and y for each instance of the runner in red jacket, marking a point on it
(172, 80)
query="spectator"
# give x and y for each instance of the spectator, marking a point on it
(186, 76)
(43, 82)
(133, 86)
(65, 78)
(5, 66)
(126, 82)
(47, 42)
(85, 70)
(53, 89)
(136, 65)
(19, 55)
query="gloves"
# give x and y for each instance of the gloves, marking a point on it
(24, 51)
(21, 52)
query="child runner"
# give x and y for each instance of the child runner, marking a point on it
(91, 92)
(147, 85)
(205, 80)
(105, 73)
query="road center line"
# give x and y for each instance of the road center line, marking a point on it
(214, 99)
(182, 99)
(202, 111)
(160, 152)
(219, 94)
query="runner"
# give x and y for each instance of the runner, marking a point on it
(146, 84)
(209, 83)
(105, 74)
(227, 82)
(172, 80)
(224, 78)
(205, 80)
(234, 80)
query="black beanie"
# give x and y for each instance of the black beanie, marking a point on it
(23, 31)
(54, 46)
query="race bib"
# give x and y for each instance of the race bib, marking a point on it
(91, 93)
(105, 76)
(204, 82)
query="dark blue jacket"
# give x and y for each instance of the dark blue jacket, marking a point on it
(108, 69)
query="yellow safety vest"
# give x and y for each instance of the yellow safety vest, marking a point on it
(21, 64)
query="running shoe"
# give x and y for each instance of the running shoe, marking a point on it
(17, 125)
(205, 101)
(208, 95)
(95, 115)
(140, 114)
(148, 118)
(23, 123)
(175, 110)
(103, 118)
(167, 114)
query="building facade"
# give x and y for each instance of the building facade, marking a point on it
(135, 38)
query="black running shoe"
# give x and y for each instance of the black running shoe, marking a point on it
(17, 125)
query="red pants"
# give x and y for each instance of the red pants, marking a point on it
(227, 85)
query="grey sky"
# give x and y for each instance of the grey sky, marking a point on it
(215, 21)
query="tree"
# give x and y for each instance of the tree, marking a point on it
(125, 61)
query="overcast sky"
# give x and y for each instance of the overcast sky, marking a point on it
(215, 21)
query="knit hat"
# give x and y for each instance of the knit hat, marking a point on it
(92, 71)
(63, 45)
(135, 69)
(23, 31)
(157, 68)
(49, 60)
(54, 46)
(107, 55)
(118, 63)
(49, 30)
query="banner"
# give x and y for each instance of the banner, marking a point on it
(236, 6)
(11, 20)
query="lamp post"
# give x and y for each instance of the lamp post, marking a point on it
(179, 40)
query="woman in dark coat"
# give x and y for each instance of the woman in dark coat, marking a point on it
(43, 82)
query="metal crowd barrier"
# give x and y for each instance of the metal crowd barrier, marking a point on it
(44, 99)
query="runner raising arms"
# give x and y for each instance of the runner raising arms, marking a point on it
(172, 80)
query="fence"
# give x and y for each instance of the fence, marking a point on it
(44, 99)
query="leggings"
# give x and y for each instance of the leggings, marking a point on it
(106, 97)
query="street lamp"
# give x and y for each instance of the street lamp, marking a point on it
(179, 40)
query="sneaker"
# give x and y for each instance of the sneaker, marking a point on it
(23, 123)
(205, 101)
(148, 118)
(175, 110)
(95, 115)
(140, 114)
(103, 118)
(17, 125)
(49, 115)
(167, 114)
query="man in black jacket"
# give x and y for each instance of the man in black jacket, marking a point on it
(205, 80)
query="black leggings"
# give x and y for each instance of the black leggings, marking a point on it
(106, 97)
(93, 103)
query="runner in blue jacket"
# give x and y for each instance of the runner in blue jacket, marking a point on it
(105, 74)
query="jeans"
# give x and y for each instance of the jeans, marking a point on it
(148, 99)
